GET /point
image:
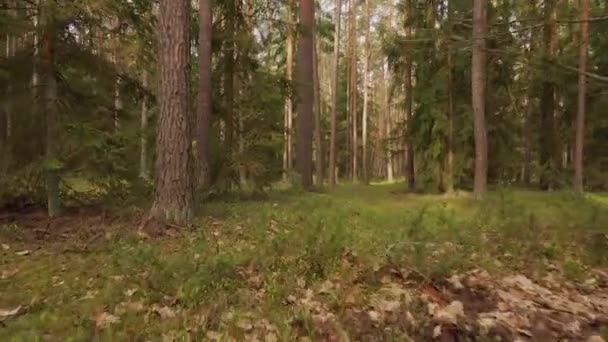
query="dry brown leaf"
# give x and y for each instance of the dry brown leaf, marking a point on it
(104, 320)
(24, 252)
(163, 312)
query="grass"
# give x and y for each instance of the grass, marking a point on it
(244, 259)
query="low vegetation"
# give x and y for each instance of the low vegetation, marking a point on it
(359, 263)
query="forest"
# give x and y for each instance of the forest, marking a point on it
(304, 170)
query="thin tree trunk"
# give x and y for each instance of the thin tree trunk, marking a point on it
(143, 139)
(53, 165)
(528, 120)
(288, 126)
(306, 93)
(204, 92)
(317, 113)
(449, 168)
(387, 122)
(353, 88)
(409, 163)
(549, 156)
(580, 115)
(334, 87)
(229, 79)
(367, 57)
(173, 196)
(478, 100)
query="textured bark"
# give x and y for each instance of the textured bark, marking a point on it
(549, 150)
(306, 93)
(173, 196)
(368, 55)
(143, 139)
(529, 116)
(318, 133)
(204, 92)
(409, 98)
(288, 126)
(334, 87)
(580, 114)
(478, 76)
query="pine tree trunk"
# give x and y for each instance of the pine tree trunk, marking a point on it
(353, 88)
(229, 79)
(306, 93)
(580, 115)
(53, 166)
(387, 123)
(317, 113)
(549, 150)
(204, 92)
(478, 100)
(409, 163)
(449, 167)
(288, 126)
(334, 109)
(143, 139)
(173, 196)
(367, 57)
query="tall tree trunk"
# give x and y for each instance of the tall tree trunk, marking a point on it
(449, 167)
(204, 91)
(229, 79)
(353, 87)
(288, 125)
(409, 163)
(580, 114)
(306, 93)
(549, 151)
(367, 57)
(317, 113)
(478, 100)
(334, 94)
(531, 108)
(387, 122)
(173, 196)
(143, 139)
(53, 166)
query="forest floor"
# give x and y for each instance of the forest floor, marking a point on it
(358, 263)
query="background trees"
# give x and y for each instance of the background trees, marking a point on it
(70, 70)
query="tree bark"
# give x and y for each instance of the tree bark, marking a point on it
(204, 92)
(173, 196)
(449, 167)
(478, 97)
(409, 163)
(143, 139)
(549, 151)
(53, 166)
(306, 92)
(317, 113)
(288, 126)
(365, 171)
(580, 114)
(353, 87)
(229, 79)
(334, 109)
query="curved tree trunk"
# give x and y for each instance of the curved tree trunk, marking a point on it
(173, 196)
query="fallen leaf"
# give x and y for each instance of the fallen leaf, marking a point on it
(104, 320)
(451, 313)
(126, 307)
(130, 292)
(437, 331)
(164, 312)
(24, 252)
(8, 273)
(245, 324)
(6, 247)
